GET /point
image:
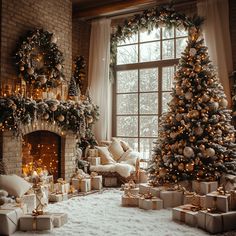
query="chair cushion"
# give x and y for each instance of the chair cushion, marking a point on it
(116, 149)
(106, 157)
(14, 185)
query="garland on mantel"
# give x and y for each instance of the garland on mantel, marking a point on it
(77, 117)
(151, 18)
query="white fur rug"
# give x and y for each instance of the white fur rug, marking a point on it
(101, 214)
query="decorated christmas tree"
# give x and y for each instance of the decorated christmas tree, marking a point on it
(72, 90)
(196, 138)
(79, 71)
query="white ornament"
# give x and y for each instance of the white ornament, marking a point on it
(59, 67)
(198, 131)
(192, 52)
(223, 103)
(54, 39)
(214, 106)
(210, 152)
(188, 95)
(188, 152)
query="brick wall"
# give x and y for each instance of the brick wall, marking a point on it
(232, 17)
(19, 16)
(80, 42)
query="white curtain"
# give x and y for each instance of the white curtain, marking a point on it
(217, 37)
(98, 76)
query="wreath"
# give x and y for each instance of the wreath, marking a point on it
(39, 60)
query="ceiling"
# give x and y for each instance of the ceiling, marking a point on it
(89, 9)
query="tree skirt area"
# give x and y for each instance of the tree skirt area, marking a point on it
(101, 214)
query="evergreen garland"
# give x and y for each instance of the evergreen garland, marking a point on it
(79, 71)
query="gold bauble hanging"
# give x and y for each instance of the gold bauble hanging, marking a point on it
(189, 167)
(181, 166)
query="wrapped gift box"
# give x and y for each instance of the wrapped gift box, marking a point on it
(32, 223)
(83, 185)
(58, 197)
(61, 187)
(59, 219)
(218, 201)
(171, 198)
(30, 201)
(155, 191)
(150, 204)
(93, 152)
(128, 200)
(9, 218)
(204, 187)
(96, 182)
(110, 182)
(143, 178)
(195, 199)
(133, 191)
(217, 223)
(185, 214)
(94, 161)
(144, 188)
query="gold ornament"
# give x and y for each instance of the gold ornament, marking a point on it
(189, 167)
(162, 172)
(175, 163)
(174, 177)
(61, 118)
(223, 103)
(193, 114)
(30, 71)
(192, 138)
(45, 116)
(198, 130)
(188, 95)
(197, 68)
(181, 166)
(188, 152)
(210, 152)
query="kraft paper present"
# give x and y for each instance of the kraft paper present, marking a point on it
(9, 219)
(204, 187)
(151, 204)
(30, 201)
(96, 182)
(93, 152)
(171, 198)
(85, 185)
(155, 191)
(185, 214)
(218, 201)
(59, 219)
(133, 191)
(131, 201)
(54, 197)
(144, 188)
(32, 223)
(217, 222)
(143, 178)
(195, 199)
(94, 161)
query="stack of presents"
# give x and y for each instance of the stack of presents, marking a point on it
(23, 202)
(198, 204)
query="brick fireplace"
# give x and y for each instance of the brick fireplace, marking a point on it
(12, 148)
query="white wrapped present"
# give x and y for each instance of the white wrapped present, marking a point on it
(144, 188)
(58, 197)
(32, 223)
(30, 201)
(150, 204)
(130, 200)
(9, 217)
(83, 185)
(155, 191)
(172, 198)
(186, 213)
(204, 187)
(93, 152)
(94, 161)
(195, 199)
(59, 219)
(96, 182)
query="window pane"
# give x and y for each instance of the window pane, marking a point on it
(167, 77)
(148, 103)
(180, 46)
(181, 32)
(146, 145)
(127, 104)
(153, 35)
(133, 142)
(166, 97)
(127, 81)
(149, 51)
(168, 49)
(127, 54)
(148, 80)
(127, 126)
(167, 33)
(148, 126)
(132, 39)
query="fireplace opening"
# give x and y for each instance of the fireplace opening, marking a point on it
(41, 152)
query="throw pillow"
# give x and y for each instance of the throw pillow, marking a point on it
(116, 149)
(105, 155)
(14, 185)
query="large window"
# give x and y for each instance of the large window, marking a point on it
(144, 76)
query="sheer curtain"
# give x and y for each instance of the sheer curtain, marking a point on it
(98, 76)
(217, 38)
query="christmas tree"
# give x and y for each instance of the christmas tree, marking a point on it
(72, 90)
(196, 138)
(79, 71)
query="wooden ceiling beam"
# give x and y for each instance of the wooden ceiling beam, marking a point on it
(115, 7)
